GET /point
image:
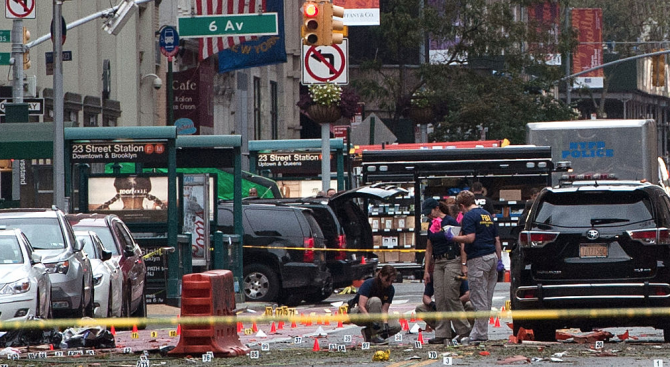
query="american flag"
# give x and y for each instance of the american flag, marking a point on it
(211, 46)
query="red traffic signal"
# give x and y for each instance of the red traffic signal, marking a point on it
(311, 23)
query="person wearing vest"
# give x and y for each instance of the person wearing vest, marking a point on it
(374, 297)
(480, 258)
(443, 257)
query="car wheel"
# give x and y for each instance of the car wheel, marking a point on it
(544, 333)
(261, 283)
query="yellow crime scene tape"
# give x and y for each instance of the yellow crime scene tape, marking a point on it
(553, 314)
(335, 249)
(158, 252)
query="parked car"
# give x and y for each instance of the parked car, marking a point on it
(279, 274)
(25, 287)
(116, 237)
(107, 276)
(345, 226)
(593, 244)
(52, 237)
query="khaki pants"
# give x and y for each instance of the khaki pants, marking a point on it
(374, 306)
(447, 297)
(482, 278)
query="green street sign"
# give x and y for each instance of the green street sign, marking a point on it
(264, 24)
(4, 58)
(5, 36)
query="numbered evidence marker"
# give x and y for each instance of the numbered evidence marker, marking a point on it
(265, 347)
(154, 334)
(347, 338)
(418, 345)
(206, 358)
(447, 361)
(432, 354)
(600, 344)
(365, 345)
(332, 347)
(398, 337)
(134, 335)
(143, 363)
(658, 363)
(297, 340)
(172, 333)
(254, 354)
(90, 352)
(342, 348)
(59, 353)
(248, 331)
(127, 350)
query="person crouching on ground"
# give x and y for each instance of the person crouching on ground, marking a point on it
(374, 297)
(444, 256)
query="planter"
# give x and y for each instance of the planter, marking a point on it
(324, 114)
(422, 115)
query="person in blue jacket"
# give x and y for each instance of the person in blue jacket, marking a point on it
(443, 257)
(375, 296)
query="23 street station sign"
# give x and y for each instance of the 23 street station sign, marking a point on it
(301, 163)
(106, 152)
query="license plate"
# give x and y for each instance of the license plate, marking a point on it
(593, 250)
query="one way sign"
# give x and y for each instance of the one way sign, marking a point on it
(35, 105)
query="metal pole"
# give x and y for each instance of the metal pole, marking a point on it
(325, 156)
(59, 143)
(17, 55)
(568, 82)
(170, 93)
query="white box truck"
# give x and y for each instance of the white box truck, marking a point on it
(628, 149)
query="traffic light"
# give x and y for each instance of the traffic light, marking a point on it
(658, 70)
(311, 23)
(330, 25)
(26, 51)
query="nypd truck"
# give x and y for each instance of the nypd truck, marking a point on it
(604, 149)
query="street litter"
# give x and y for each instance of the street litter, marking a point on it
(518, 359)
(92, 336)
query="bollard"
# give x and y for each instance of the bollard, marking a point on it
(219, 255)
(205, 294)
(185, 252)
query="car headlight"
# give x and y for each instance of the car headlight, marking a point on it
(97, 279)
(17, 287)
(59, 267)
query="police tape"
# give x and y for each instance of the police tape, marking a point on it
(335, 249)
(158, 252)
(356, 318)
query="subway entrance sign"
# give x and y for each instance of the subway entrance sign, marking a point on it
(265, 24)
(110, 151)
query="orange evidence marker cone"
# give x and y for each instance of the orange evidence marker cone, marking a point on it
(273, 328)
(420, 338)
(112, 330)
(491, 321)
(326, 322)
(405, 325)
(240, 327)
(254, 327)
(179, 329)
(413, 319)
(51, 347)
(293, 325)
(280, 325)
(339, 324)
(316, 347)
(363, 262)
(134, 328)
(497, 323)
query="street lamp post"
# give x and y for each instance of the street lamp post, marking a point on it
(59, 139)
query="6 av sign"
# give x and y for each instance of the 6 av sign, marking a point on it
(265, 24)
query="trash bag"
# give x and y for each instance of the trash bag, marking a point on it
(97, 337)
(28, 337)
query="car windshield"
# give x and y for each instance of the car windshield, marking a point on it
(587, 209)
(10, 251)
(43, 233)
(105, 236)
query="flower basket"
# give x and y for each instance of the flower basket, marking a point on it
(324, 114)
(421, 115)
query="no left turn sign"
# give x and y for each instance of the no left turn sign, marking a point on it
(20, 9)
(325, 64)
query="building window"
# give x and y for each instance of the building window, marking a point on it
(91, 120)
(257, 108)
(274, 111)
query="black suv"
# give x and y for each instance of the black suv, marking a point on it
(593, 244)
(279, 274)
